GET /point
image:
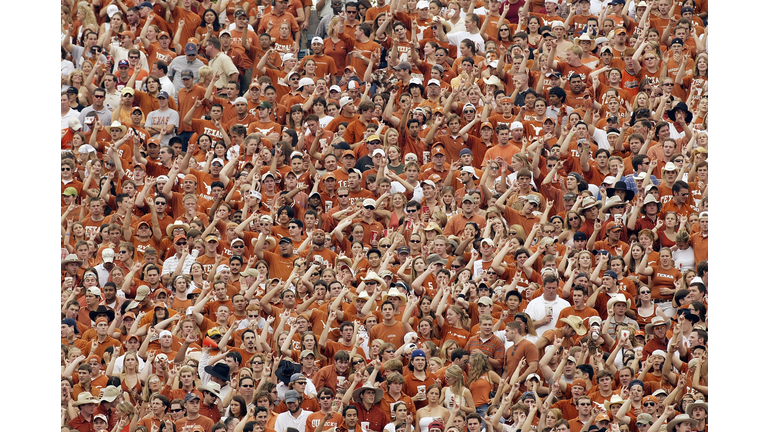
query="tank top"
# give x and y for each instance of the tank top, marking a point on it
(425, 421)
(450, 396)
(481, 390)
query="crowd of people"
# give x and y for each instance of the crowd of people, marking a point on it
(392, 216)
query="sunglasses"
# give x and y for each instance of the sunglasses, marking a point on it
(181, 243)
(325, 398)
(343, 196)
(178, 410)
(248, 385)
(371, 283)
(66, 169)
(649, 404)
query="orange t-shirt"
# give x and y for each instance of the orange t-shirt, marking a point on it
(663, 279)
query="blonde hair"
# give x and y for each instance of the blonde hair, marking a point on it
(444, 349)
(332, 26)
(76, 72)
(705, 56)
(457, 374)
(89, 20)
(203, 72)
(635, 105)
(576, 50)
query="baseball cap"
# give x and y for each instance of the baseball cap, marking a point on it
(190, 49)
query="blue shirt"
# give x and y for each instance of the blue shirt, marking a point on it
(631, 185)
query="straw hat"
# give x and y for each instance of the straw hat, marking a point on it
(367, 386)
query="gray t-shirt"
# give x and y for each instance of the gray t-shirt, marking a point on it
(105, 117)
(160, 118)
(77, 56)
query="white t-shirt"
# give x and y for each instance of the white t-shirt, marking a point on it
(537, 309)
(456, 38)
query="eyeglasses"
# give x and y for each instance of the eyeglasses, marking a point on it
(549, 232)
(301, 382)
(98, 96)
(351, 12)
(374, 142)
(133, 57)
(66, 169)
(649, 404)
(246, 385)
(455, 266)
(649, 58)
(645, 292)
(123, 252)
(343, 196)
(160, 203)
(177, 410)
(315, 274)
(384, 245)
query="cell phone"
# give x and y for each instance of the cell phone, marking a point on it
(548, 310)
